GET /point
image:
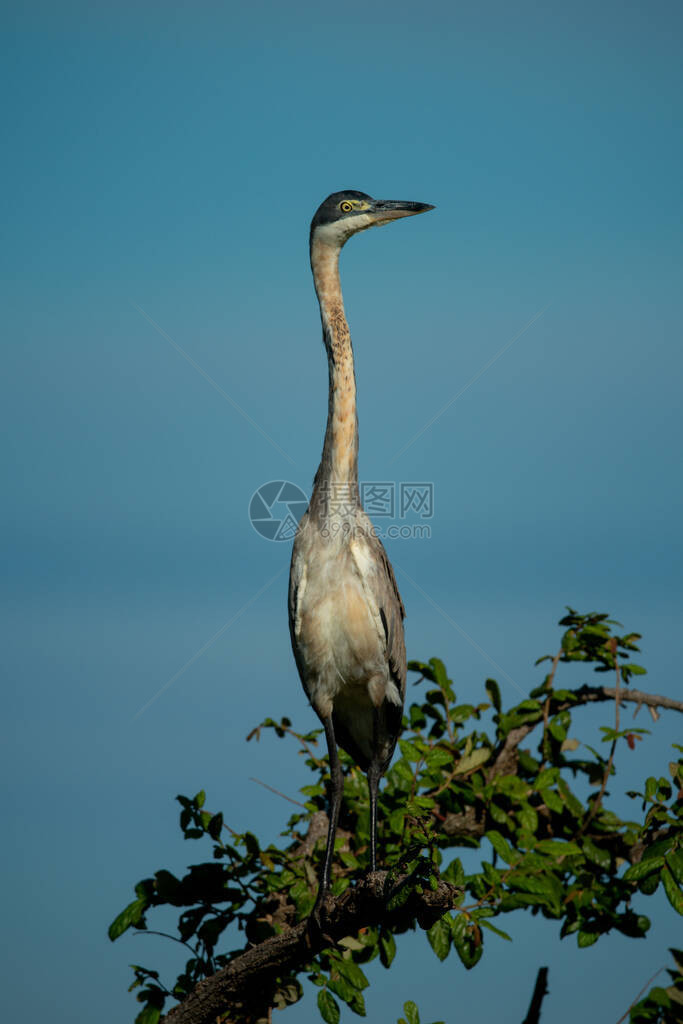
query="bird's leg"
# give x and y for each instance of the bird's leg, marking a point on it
(336, 790)
(374, 775)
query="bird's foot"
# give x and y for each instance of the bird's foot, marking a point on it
(375, 882)
(319, 920)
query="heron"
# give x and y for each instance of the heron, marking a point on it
(345, 610)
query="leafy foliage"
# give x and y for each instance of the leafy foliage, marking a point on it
(662, 1005)
(457, 783)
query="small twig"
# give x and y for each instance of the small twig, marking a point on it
(540, 992)
(277, 792)
(165, 935)
(595, 806)
(645, 986)
(617, 671)
(487, 897)
(651, 700)
(549, 679)
(318, 760)
(447, 781)
(449, 723)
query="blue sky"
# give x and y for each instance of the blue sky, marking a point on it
(168, 158)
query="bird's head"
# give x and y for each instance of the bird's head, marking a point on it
(345, 213)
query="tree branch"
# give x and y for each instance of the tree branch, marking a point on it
(588, 694)
(243, 989)
(472, 822)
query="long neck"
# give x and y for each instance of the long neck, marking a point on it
(337, 476)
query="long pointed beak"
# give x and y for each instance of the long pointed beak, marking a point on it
(385, 210)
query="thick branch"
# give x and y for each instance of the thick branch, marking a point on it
(243, 988)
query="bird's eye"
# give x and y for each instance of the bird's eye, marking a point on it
(346, 206)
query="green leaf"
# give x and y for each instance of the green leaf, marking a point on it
(546, 889)
(557, 729)
(643, 868)
(328, 1006)
(130, 915)
(493, 691)
(528, 705)
(352, 972)
(528, 818)
(439, 758)
(411, 1012)
(674, 862)
(439, 936)
(343, 989)
(215, 825)
(400, 896)
(597, 855)
(454, 873)
(167, 885)
(387, 948)
(546, 778)
(492, 928)
(501, 846)
(573, 804)
(552, 801)
(649, 884)
(440, 674)
(498, 814)
(473, 760)
(351, 943)
(557, 848)
(463, 939)
(287, 994)
(410, 751)
(400, 772)
(585, 939)
(660, 997)
(673, 893)
(357, 1004)
(150, 1015)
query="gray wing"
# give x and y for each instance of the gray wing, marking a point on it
(297, 584)
(382, 591)
(392, 614)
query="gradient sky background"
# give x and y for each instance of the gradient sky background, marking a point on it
(170, 157)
